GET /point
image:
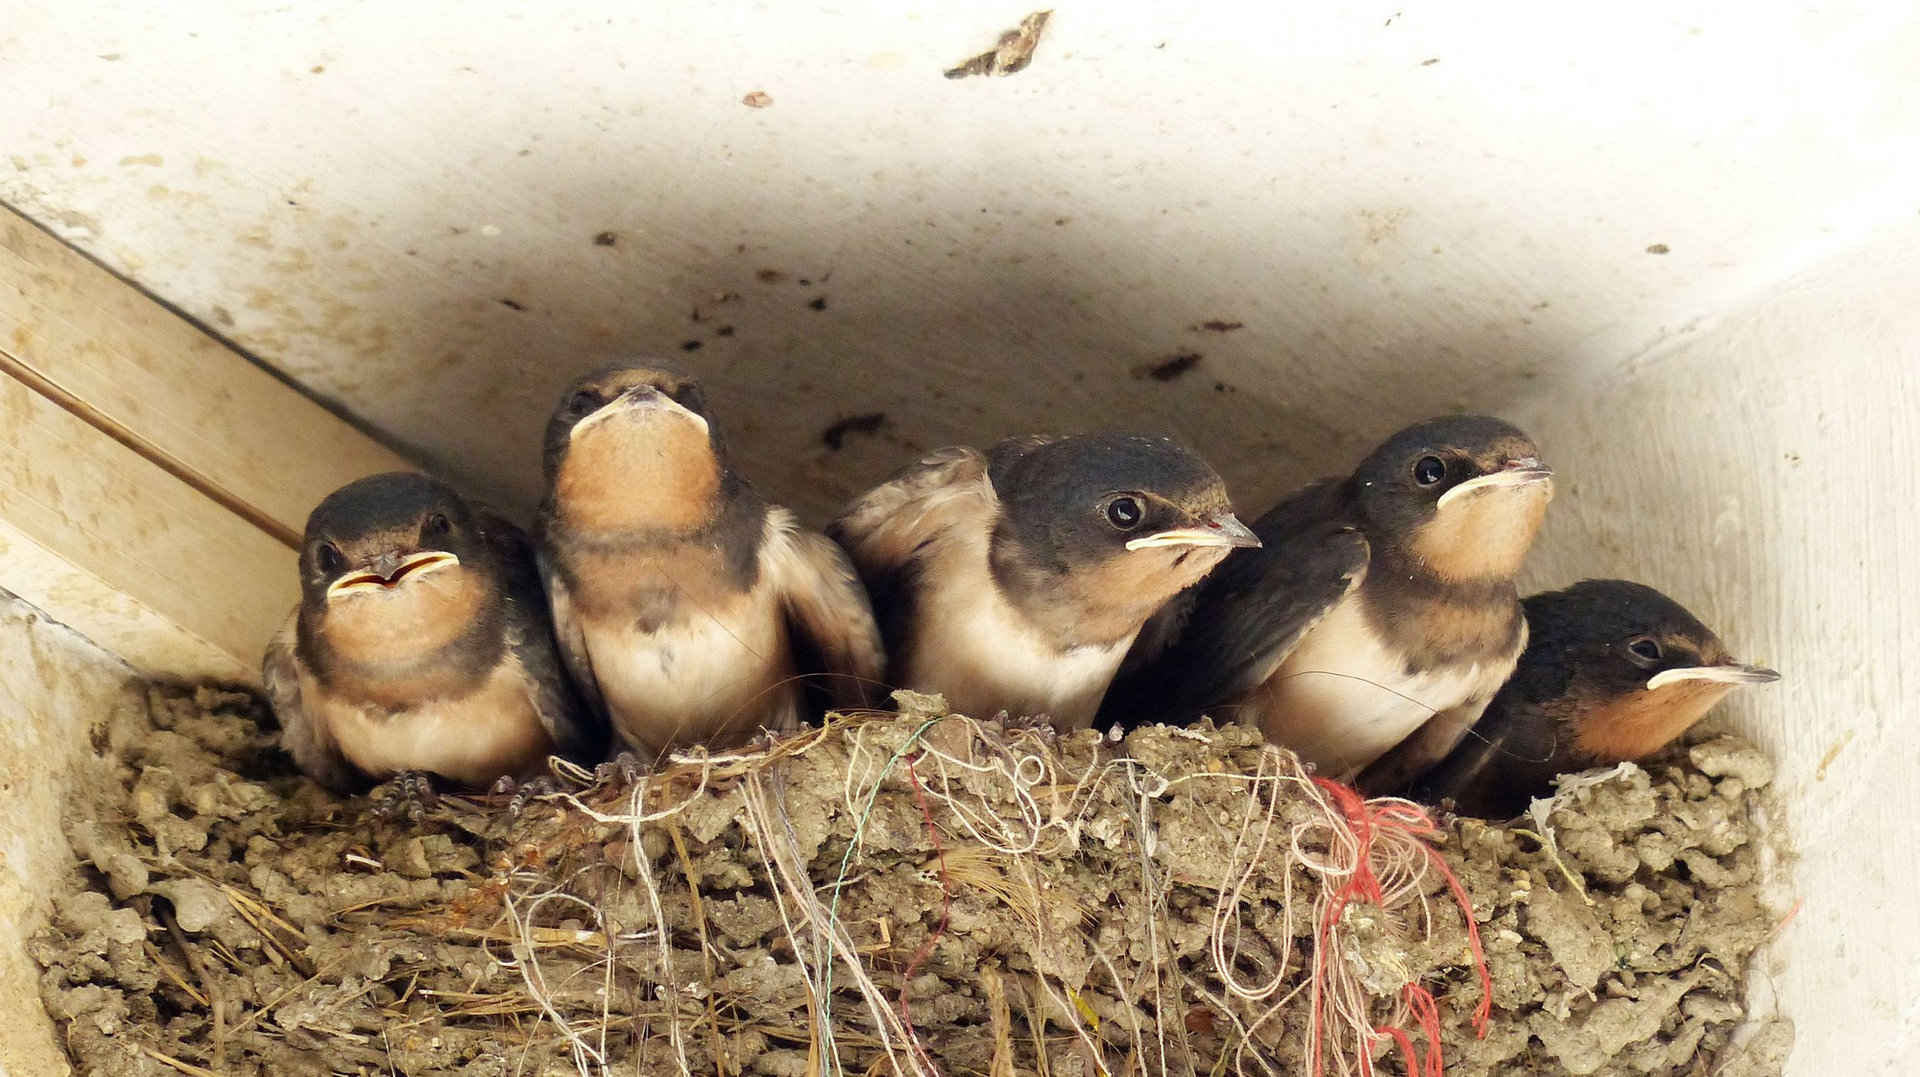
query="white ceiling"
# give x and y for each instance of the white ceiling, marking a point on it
(1409, 206)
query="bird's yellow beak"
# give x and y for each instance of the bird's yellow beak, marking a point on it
(639, 399)
(389, 571)
(1224, 529)
(1516, 475)
(1732, 673)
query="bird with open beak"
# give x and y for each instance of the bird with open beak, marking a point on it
(1016, 579)
(1614, 672)
(421, 645)
(1379, 616)
(689, 609)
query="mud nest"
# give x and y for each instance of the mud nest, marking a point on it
(904, 894)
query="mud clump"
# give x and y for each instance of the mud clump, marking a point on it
(909, 894)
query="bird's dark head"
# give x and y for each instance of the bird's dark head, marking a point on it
(630, 446)
(1462, 494)
(1640, 667)
(394, 561)
(1121, 522)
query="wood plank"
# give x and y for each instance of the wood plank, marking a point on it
(155, 381)
(129, 555)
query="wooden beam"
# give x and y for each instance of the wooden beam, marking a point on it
(184, 398)
(153, 483)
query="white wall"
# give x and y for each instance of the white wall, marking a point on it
(1411, 207)
(1765, 470)
(55, 690)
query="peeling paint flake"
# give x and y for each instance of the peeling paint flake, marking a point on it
(1011, 55)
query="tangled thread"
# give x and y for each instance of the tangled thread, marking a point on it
(1373, 853)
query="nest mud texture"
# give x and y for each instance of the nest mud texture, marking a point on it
(898, 894)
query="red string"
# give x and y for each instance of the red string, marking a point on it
(1406, 1047)
(1362, 818)
(1427, 1013)
(1361, 882)
(946, 906)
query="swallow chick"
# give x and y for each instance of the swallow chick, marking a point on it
(1380, 610)
(1614, 672)
(1016, 579)
(688, 608)
(421, 644)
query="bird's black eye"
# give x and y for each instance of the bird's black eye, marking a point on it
(1645, 649)
(329, 558)
(1125, 513)
(582, 402)
(1428, 470)
(436, 525)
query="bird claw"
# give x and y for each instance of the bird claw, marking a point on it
(625, 768)
(1035, 723)
(409, 796)
(521, 793)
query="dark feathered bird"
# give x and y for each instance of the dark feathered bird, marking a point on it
(688, 608)
(1614, 671)
(1379, 614)
(1016, 579)
(421, 644)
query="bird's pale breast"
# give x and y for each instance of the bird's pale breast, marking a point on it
(717, 670)
(472, 738)
(1343, 697)
(972, 646)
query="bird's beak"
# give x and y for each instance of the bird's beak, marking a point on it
(388, 570)
(1222, 529)
(640, 398)
(1732, 673)
(1517, 474)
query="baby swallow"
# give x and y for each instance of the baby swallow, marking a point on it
(421, 644)
(688, 608)
(1017, 579)
(1380, 611)
(1614, 671)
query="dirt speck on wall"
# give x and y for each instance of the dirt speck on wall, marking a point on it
(900, 893)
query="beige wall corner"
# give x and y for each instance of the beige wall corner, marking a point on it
(57, 687)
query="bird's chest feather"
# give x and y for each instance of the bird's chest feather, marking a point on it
(972, 646)
(1348, 692)
(714, 666)
(472, 737)
(654, 587)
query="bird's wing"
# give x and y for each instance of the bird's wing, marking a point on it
(569, 637)
(1506, 759)
(889, 530)
(304, 737)
(1230, 634)
(827, 609)
(578, 732)
(1418, 752)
